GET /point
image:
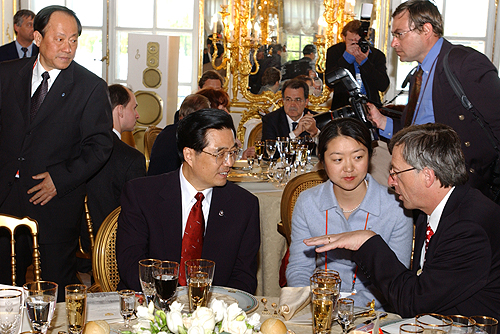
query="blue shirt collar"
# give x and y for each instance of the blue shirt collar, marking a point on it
(432, 55)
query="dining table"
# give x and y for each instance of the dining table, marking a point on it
(59, 323)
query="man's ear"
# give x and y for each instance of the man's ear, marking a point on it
(188, 155)
(429, 175)
(37, 37)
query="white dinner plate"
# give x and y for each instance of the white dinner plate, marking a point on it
(245, 301)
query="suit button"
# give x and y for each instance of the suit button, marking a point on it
(10, 184)
(21, 159)
(29, 133)
(472, 170)
(461, 117)
(467, 143)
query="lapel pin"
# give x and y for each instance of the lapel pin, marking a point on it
(63, 94)
(221, 213)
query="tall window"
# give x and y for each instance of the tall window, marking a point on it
(131, 16)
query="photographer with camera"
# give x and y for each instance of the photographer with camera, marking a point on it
(366, 63)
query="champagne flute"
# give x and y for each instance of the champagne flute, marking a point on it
(41, 300)
(146, 277)
(270, 149)
(346, 312)
(11, 306)
(127, 306)
(323, 305)
(199, 277)
(76, 307)
(282, 146)
(166, 275)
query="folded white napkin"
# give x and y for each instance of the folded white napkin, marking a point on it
(292, 300)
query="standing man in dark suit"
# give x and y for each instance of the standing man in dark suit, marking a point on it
(23, 46)
(164, 155)
(157, 210)
(125, 163)
(369, 68)
(417, 31)
(50, 146)
(456, 262)
(293, 119)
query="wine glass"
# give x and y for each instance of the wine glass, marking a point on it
(434, 323)
(199, 277)
(270, 149)
(346, 312)
(323, 305)
(282, 146)
(41, 300)
(259, 150)
(250, 161)
(485, 324)
(11, 306)
(127, 306)
(411, 329)
(76, 307)
(166, 275)
(146, 277)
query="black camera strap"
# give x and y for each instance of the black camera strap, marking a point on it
(459, 92)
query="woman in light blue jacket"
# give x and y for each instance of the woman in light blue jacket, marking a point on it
(350, 200)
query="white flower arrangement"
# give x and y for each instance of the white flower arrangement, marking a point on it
(216, 319)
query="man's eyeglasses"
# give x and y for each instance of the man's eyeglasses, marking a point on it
(393, 174)
(223, 156)
(289, 100)
(400, 35)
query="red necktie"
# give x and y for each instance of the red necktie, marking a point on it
(192, 241)
(428, 234)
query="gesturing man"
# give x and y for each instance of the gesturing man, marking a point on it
(55, 133)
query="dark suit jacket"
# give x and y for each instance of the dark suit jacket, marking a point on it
(462, 268)
(9, 51)
(275, 124)
(373, 73)
(70, 138)
(105, 187)
(164, 155)
(150, 226)
(479, 79)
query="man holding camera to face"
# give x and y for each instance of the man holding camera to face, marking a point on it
(365, 63)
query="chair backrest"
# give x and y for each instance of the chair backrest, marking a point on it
(105, 268)
(149, 139)
(81, 253)
(255, 135)
(11, 223)
(290, 194)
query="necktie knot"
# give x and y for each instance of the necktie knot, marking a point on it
(45, 76)
(429, 233)
(25, 50)
(294, 125)
(199, 197)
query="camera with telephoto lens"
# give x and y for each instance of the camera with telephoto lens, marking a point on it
(364, 45)
(356, 109)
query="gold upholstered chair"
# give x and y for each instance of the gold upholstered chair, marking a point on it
(104, 265)
(81, 253)
(11, 223)
(149, 139)
(255, 135)
(290, 194)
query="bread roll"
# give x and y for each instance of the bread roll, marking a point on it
(96, 327)
(273, 326)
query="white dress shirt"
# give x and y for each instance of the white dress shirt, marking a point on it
(38, 70)
(188, 200)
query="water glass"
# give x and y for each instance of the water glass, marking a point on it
(166, 275)
(270, 148)
(41, 298)
(76, 307)
(127, 306)
(260, 146)
(322, 304)
(462, 325)
(485, 324)
(434, 323)
(199, 277)
(11, 307)
(146, 277)
(346, 313)
(411, 329)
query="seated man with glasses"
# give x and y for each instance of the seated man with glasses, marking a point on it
(456, 260)
(193, 212)
(293, 119)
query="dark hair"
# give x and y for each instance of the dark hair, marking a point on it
(216, 97)
(277, 48)
(193, 128)
(295, 84)
(308, 49)
(21, 15)
(347, 127)
(353, 26)
(306, 79)
(118, 95)
(421, 12)
(435, 146)
(192, 103)
(211, 74)
(271, 76)
(42, 18)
